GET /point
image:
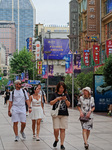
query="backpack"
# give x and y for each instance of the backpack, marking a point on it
(13, 95)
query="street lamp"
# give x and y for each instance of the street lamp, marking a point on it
(47, 53)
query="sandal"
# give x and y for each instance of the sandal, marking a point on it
(86, 146)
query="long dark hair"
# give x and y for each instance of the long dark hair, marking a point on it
(61, 83)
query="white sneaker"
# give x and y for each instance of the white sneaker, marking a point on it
(23, 135)
(16, 138)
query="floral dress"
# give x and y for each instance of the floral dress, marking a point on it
(86, 104)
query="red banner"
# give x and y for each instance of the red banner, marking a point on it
(96, 54)
(86, 57)
(108, 47)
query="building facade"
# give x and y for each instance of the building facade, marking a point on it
(8, 36)
(52, 32)
(22, 12)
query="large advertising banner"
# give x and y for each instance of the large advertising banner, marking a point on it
(108, 47)
(23, 77)
(102, 94)
(38, 47)
(58, 47)
(77, 63)
(44, 72)
(69, 64)
(96, 54)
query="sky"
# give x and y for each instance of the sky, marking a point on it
(52, 11)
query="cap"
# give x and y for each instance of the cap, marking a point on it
(87, 89)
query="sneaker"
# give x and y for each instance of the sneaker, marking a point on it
(16, 138)
(23, 135)
(62, 147)
(55, 143)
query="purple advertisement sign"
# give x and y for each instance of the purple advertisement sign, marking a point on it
(44, 71)
(58, 48)
(68, 64)
(51, 68)
(77, 63)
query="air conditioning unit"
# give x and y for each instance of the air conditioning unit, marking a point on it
(55, 62)
(63, 63)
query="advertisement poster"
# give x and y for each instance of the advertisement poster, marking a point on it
(51, 70)
(44, 72)
(102, 94)
(68, 64)
(22, 77)
(96, 54)
(58, 48)
(77, 63)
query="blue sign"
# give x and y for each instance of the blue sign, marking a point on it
(109, 6)
(27, 40)
(58, 48)
(33, 81)
(102, 93)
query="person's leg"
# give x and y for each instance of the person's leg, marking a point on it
(88, 133)
(62, 135)
(33, 126)
(56, 134)
(23, 125)
(38, 127)
(84, 132)
(15, 128)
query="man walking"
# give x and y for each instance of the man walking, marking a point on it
(17, 100)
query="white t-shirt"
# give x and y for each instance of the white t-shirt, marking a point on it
(19, 101)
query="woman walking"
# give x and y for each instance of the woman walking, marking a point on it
(86, 107)
(37, 112)
(60, 123)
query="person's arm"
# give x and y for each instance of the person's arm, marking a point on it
(45, 98)
(79, 107)
(65, 98)
(52, 102)
(92, 105)
(29, 104)
(42, 103)
(9, 108)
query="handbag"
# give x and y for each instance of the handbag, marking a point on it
(84, 119)
(54, 113)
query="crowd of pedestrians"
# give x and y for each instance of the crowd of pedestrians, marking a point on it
(22, 103)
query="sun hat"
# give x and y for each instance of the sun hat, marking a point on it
(17, 81)
(87, 89)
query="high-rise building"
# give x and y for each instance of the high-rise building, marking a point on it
(23, 13)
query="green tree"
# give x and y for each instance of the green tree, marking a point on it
(100, 70)
(22, 61)
(108, 71)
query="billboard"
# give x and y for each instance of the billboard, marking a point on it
(58, 48)
(102, 93)
(69, 64)
(77, 63)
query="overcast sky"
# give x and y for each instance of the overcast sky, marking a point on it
(52, 11)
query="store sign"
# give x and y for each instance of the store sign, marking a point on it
(91, 15)
(44, 72)
(37, 50)
(86, 57)
(96, 55)
(39, 67)
(108, 47)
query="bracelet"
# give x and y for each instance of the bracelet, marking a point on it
(30, 107)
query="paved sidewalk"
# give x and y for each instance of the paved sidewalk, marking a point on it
(100, 137)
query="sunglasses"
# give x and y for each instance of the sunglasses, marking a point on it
(19, 83)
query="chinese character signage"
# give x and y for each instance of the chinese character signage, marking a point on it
(39, 67)
(58, 47)
(77, 63)
(30, 44)
(96, 55)
(86, 57)
(69, 64)
(37, 50)
(102, 93)
(44, 72)
(51, 70)
(108, 47)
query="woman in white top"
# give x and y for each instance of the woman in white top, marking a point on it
(86, 106)
(37, 111)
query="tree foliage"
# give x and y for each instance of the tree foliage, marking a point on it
(22, 61)
(108, 71)
(100, 70)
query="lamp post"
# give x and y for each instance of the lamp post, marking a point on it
(47, 53)
(33, 60)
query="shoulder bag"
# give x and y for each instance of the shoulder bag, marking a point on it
(54, 113)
